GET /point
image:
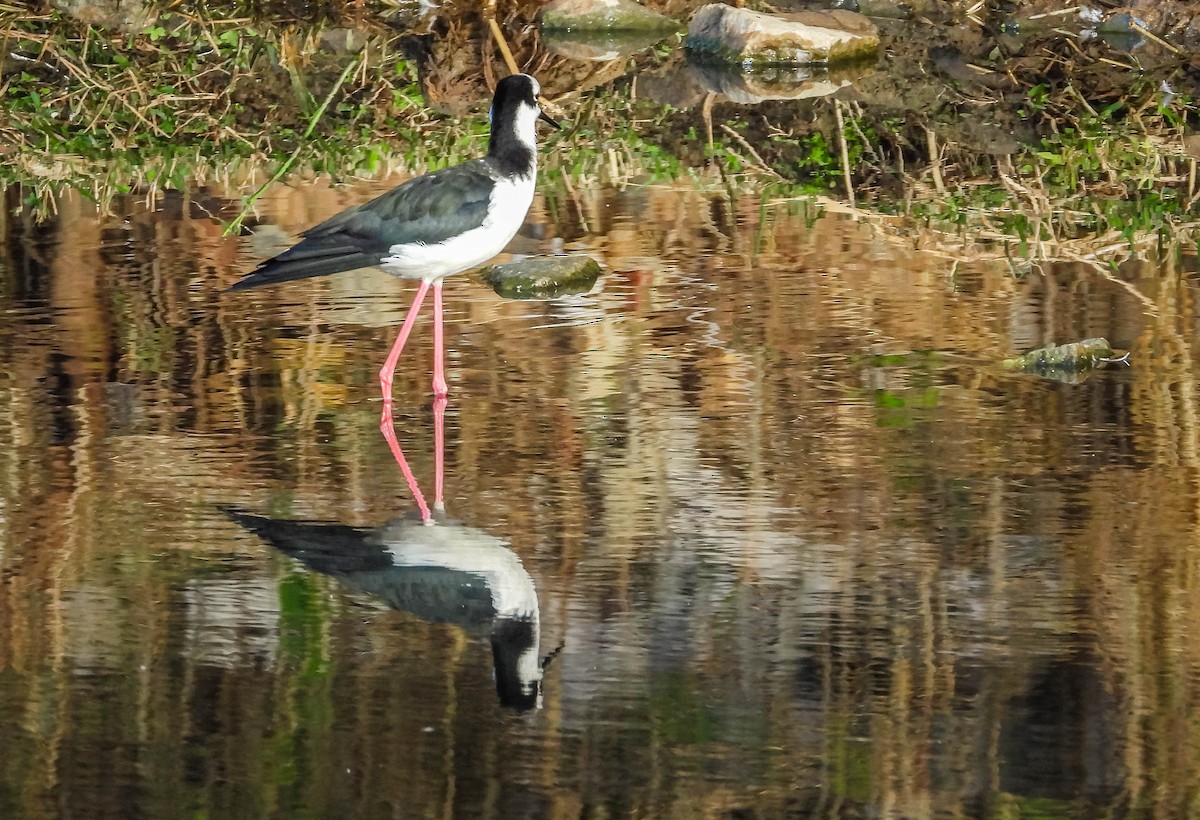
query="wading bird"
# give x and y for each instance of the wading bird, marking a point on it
(430, 227)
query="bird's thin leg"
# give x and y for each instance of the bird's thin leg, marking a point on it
(440, 388)
(440, 391)
(386, 424)
(439, 453)
(388, 371)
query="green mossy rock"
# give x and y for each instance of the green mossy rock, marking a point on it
(753, 40)
(542, 277)
(887, 9)
(603, 15)
(1070, 358)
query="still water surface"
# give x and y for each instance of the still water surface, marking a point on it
(796, 545)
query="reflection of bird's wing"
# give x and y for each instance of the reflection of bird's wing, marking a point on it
(441, 594)
(433, 594)
(334, 549)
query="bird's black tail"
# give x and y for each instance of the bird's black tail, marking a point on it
(308, 259)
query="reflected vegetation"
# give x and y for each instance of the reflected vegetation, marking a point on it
(807, 546)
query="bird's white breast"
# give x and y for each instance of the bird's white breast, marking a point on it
(510, 201)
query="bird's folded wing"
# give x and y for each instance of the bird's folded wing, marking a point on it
(427, 210)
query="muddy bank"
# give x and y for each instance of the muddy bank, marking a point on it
(1025, 122)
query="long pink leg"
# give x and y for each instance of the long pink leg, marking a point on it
(439, 453)
(388, 371)
(440, 388)
(386, 424)
(440, 391)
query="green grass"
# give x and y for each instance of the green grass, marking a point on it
(193, 101)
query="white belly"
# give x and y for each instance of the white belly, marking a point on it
(506, 213)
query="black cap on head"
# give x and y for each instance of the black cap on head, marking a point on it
(517, 89)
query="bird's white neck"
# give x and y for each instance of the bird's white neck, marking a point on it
(524, 127)
(513, 142)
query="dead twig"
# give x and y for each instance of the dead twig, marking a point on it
(935, 160)
(502, 44)
(750, 149)
(845, 150)
(1150, 35)
(1055, 13)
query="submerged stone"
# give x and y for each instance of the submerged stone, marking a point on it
(603, 15)
(541, 277)
(754, 40)
(601, 46)
(889, 9)
(1121, 22)
(1069, 358)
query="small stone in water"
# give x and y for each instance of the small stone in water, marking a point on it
(1074, 356)
(543, 276)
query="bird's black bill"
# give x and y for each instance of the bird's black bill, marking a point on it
(544, 116)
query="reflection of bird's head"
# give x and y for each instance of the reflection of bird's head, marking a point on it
(518, 669)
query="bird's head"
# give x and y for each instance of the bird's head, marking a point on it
(516, 98)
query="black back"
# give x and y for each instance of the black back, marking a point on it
(426, 209)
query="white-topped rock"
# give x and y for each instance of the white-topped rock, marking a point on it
(751, 39)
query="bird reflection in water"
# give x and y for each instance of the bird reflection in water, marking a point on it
(434, 568)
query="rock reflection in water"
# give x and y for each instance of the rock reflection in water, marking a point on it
(781, 84)
(442, 572)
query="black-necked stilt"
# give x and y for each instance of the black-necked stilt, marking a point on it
(445, 573)
(432, 226)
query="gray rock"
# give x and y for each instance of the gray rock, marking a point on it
(126, 15)
(541, 277)
(603, 15)
(344, 40)
(754, 40)
(1191, 145)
